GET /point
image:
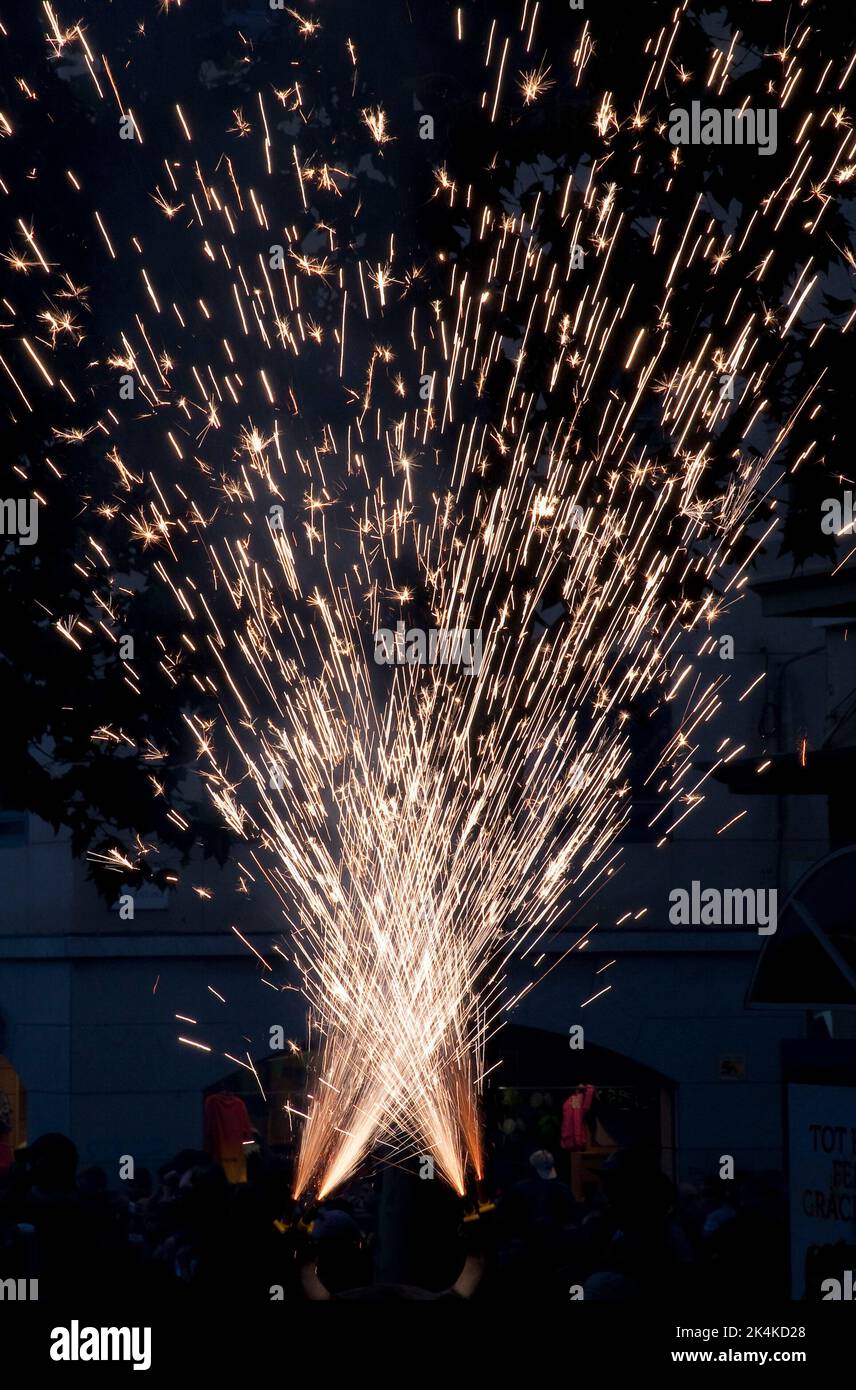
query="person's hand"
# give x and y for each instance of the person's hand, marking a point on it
(470, 1276)
(309, 1281)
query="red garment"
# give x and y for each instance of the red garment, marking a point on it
(227, 1129)
(574, 1111)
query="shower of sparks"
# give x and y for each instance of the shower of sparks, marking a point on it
(424, 825)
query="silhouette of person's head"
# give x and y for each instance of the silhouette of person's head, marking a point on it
(52, 1161)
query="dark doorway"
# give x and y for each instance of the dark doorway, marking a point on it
(632, 1107)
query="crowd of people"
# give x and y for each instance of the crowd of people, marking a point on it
(188, 1231)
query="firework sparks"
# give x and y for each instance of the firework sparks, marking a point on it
(423, 825)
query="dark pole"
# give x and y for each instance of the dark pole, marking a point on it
(393, 1263)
